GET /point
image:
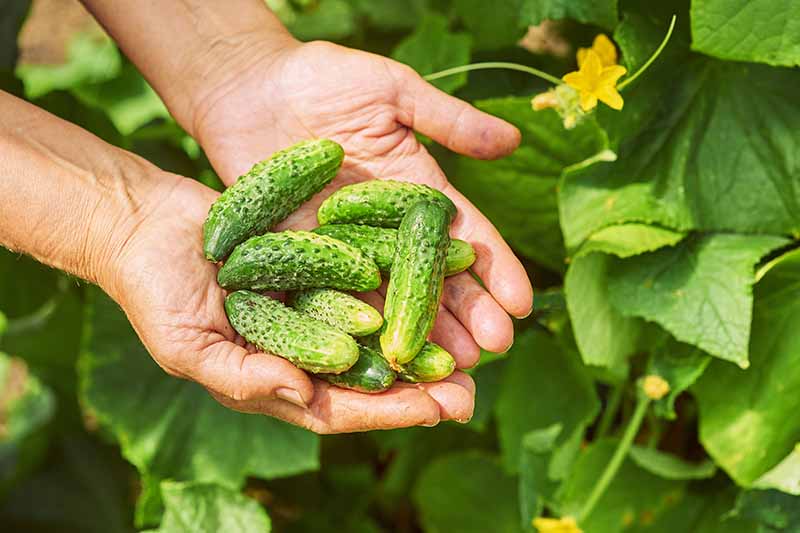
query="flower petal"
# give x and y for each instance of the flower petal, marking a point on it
(605, 50)
(610, 75)
(592, 67)
(581, 56)
(576, 80)
(610, 97)
(588, 100)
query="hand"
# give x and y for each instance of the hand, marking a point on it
(171, 296)
(371, 105)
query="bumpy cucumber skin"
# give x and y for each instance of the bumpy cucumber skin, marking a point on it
(371, 373)
(294, 260)
(308, 343)
(379, 245)
(378, 203)
(415, 286)
(338, 309)
(432, 363)
(268, 193)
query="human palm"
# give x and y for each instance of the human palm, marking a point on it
(369, 105)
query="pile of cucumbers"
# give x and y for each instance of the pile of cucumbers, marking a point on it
(366, 229)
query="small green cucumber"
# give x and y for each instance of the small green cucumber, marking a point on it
(379, 245)
(268, 193)
(432, 363)
(338, 309)
(371, 373)
(415, 286)
(294, 260)
(271, 326)
(378, 203)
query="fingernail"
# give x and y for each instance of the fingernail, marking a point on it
(526, 315)
(291, 396)
(434, 424)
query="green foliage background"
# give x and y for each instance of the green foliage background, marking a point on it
(678, 259)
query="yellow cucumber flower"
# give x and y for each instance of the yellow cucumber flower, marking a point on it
(556, 525)
(595, 82)
(604, 49)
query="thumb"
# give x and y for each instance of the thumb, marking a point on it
(452, 122)
(229, 370)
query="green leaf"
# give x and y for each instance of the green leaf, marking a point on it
(542, 386)
(469, 493)
(82, 488)
(172, 429)
(208, 508)
(14, 14)
(432, 48)
(331, 20)
(670, 466)
(627, 240)
(700, 291)
(493, 24)
(91, 58)
(601, 13)
(25, 408)
(748, 421)
(536, 487)
(765, 31)
(390, 14)
(488, 381)
(695, 164)
(772, 510)
(518, 192)
(681, 365)
(128, 100)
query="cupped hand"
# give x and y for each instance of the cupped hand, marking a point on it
(170, 294)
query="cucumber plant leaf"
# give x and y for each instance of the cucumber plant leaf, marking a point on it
(670, 466)
(173, 429)
(432, 47)
(536, 486)
(604, 336)
(748, 421)
(467, 492)
(493, 25)
(763, 31)
(329, 19)
(543, 385)
(601, 13)
(700, 290)
(772, 510)
(519, 193)
(680, 365)
(208, 508)
(695, 164)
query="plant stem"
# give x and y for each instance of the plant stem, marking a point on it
(616, 460)
(610, 412)
(494, 65)
(653, 57)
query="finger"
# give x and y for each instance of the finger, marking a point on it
(453, 122)
(475, 308)
(336, 410)
(451, 335)
(456, 400)
(495, 263)
(228, 369)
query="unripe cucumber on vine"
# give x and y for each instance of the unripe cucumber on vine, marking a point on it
(379, 245)
(432, 363)
(308, 343)
(338, 309)
(415, 286)
(268, 193)
(378, 203)
(371, 373)
(294, 260)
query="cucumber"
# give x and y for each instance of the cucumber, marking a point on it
(378, 203)
(432, 363)
(338, 309)
(370, 374)
(415, 286)
(271, 326)
(379, 245)
(293, 260)
(268, 193)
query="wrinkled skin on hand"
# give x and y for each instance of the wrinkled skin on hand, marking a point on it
(371, 106)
